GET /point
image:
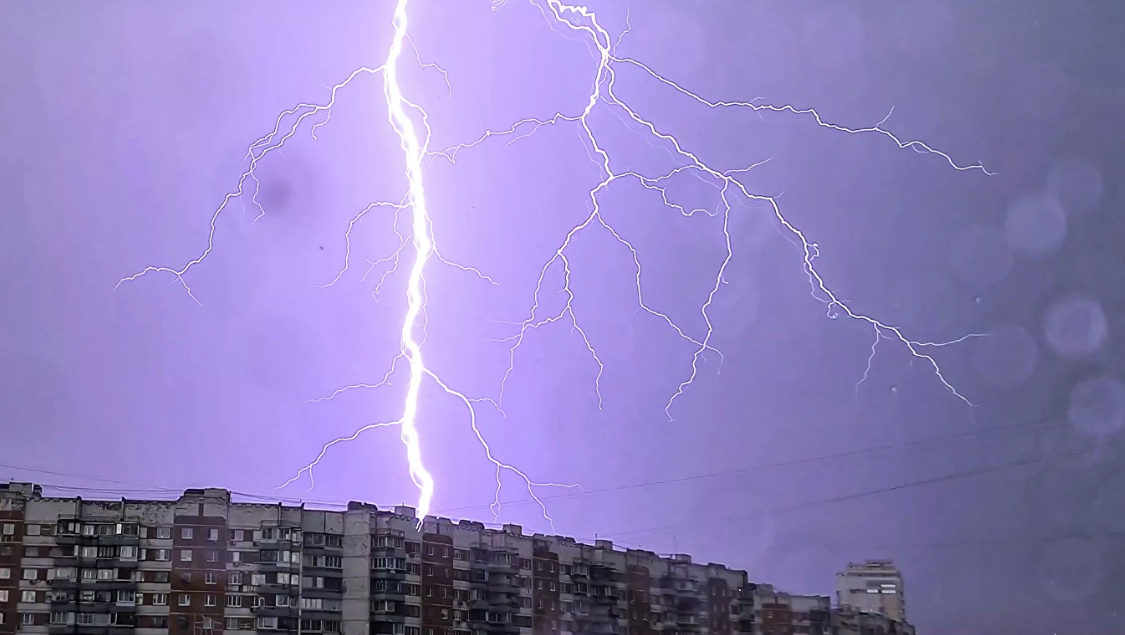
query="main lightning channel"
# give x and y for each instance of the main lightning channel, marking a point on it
(423, 248)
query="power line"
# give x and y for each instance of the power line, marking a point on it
(1047, 421)
(864, 494)
(767, 466)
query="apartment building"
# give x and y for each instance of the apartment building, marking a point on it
(874, 586)
(203, 565)
(781, 613)
(852, 622)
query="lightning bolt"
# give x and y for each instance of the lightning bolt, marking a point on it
(411, 124)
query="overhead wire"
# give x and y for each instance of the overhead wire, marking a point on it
(273, 499)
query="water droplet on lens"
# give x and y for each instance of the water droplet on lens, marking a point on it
(1076, 327)
(1097, 406)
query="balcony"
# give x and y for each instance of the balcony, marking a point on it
(689, 621)
(398, 595)
(388, 574)
(504, 584)
(508, 566)
(503, 627)
(274, 611)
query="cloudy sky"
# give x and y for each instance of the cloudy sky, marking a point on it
(126, 126)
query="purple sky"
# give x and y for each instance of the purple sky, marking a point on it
(125, 125)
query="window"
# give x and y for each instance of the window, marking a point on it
(161, 577)
(27, 619)
(208, 600)
(162, 555)
(397, 564)
(186, 533)
(27, 596)
(3, 596)
(160, 599)
(234, 601)
(257, 579)
(236, 556)
(234, 578)
(237, 535)
(212, 556)
(31, 530)
(5, 573)
(164, 532)
(185, 577)
(128, 552)
(231, 624)
(210, 578)
(185, 555)
(429, 571)
(31, 574)
(258, 601)
(213, 535)
(267, 623)
(281, 600)
(185, 599)
(126, 597)
(9, 529)
(60, 617)
(429, 550)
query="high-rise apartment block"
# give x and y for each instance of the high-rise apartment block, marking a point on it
(780, 613)
(874, 586)
(202, 565)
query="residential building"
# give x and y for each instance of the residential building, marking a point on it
(204, 565)
(874, 586)
(851, 622)
(781, 613)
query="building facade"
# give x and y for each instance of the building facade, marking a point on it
(780, 613)
(851, 622)
(874, 586)
(204, 565)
